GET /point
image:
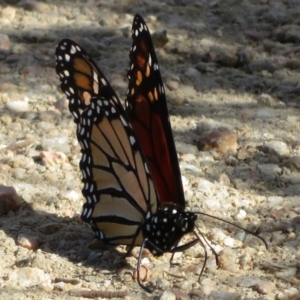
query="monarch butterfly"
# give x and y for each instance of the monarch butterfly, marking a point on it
(132, 182)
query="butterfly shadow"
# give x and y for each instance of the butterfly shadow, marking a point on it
(47, 237)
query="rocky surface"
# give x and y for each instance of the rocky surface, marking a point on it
(231, 71)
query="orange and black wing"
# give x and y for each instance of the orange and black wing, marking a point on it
(118, 186)
(80, 77)
(147, 109)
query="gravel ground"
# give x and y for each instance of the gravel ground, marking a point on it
(231, 71)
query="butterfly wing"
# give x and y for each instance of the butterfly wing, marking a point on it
(147, 109)
(80, 77)
(118, 187)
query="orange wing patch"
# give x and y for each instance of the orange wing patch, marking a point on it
(139, 78)
(81, 65)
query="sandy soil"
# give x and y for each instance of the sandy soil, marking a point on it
(228, 66)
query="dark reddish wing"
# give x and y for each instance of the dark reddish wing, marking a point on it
(147, 109)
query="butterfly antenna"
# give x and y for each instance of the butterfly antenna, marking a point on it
(237, 226)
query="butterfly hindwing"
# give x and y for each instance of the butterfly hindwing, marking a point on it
(118, 186)
(147, 109)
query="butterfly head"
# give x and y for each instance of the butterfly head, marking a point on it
(166, 227)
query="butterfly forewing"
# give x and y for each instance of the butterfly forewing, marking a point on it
(146, 107)
(117, 183)
(80, 77)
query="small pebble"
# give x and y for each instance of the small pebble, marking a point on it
(269, 169)
(70, 195)
(144, 273)
(5, 43)
(27, 277)
(208, 285)
(265, 287)
(222, 295)
(277, 147)
(29, 241)
(17, 106)
(57, 144)
(167, 295)
(223, 142)
(9, 199)
(162, 284)
(8, 13)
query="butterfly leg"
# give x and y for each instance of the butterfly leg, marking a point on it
(149, 289)
(157, 251)
(131, 246)
(181, 248)
(192, 243)
(128, 250)
(171, 260)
